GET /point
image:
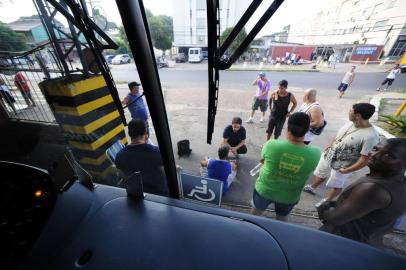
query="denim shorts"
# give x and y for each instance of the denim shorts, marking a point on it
(261, 203)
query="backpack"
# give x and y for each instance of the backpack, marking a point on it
(184, 148)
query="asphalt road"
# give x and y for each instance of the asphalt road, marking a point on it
(365, 83)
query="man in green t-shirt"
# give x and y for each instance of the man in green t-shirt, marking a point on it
(287, 165)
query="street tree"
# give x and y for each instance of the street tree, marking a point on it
(237, 41)
(161, 29)
(10, 40)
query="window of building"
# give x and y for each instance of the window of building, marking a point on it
(366, 12)
(200, 23)
(380, 24)
(200, 4)
(399, 47)
(390, 3)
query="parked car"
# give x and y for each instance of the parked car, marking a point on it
(161, 62)
(195, 55)
(180, 58)
(121, 59)
(108, 58)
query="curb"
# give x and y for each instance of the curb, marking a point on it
(274, 70)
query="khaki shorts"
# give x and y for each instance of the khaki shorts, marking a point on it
(335, 178)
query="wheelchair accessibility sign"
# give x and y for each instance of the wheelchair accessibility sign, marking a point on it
(201, 189)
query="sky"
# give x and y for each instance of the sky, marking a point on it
(291, 11)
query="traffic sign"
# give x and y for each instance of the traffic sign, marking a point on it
(201, 189)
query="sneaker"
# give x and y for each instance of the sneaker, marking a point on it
(261, 120)
(320, 202)
(309, 189)
(385, 89)
(378, 89)
(249, 121)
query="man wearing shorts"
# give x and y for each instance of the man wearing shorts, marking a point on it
(286, 166)
(390, 78)
(221, 169)
(347, 153)
(347, 81)
(261, 96)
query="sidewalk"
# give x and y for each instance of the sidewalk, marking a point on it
(340, 68)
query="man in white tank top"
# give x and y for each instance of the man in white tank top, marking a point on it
(347, 81)
(312, 108)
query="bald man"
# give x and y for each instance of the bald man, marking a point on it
(312, 108)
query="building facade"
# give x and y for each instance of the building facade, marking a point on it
(370, 22)
(190, 21)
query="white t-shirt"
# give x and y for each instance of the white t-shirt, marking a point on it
(350, 143)
(347, 77)
(392, 73)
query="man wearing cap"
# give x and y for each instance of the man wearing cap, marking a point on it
(135, 103)
(261, 96)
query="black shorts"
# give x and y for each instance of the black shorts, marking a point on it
(342, 87)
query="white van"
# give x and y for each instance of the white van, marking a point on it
(195, 55)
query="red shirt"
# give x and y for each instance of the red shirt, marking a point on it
(21, 82)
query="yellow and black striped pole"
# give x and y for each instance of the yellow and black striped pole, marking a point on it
(89, 119)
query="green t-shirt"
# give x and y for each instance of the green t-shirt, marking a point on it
(285, 171)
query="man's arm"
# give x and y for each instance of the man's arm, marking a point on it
(361, 163)
(124, 101)
(238, 145)
(204, 162)
(364, 199)
(316, 117)
(270, 100)
(351, 79)
(294, 102)
(254, 82)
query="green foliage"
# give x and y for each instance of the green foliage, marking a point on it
(122, 46)
(161, 29)
(398, 122)
(237, 41)
(10, 40)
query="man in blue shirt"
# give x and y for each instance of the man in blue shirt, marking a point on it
(221, 169)
(135, 102)
(138, 156)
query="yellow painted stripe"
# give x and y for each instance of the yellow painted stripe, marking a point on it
(89, 128)
(84, 108)
(94, 161)
(74, 88)
(99, 142)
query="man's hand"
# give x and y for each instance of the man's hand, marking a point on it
(288, 114)
(234, 150)
(343, 170)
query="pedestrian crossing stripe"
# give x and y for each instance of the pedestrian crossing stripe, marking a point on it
(91, 126)
(83, 109)
(99, 142)
(70, 89)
